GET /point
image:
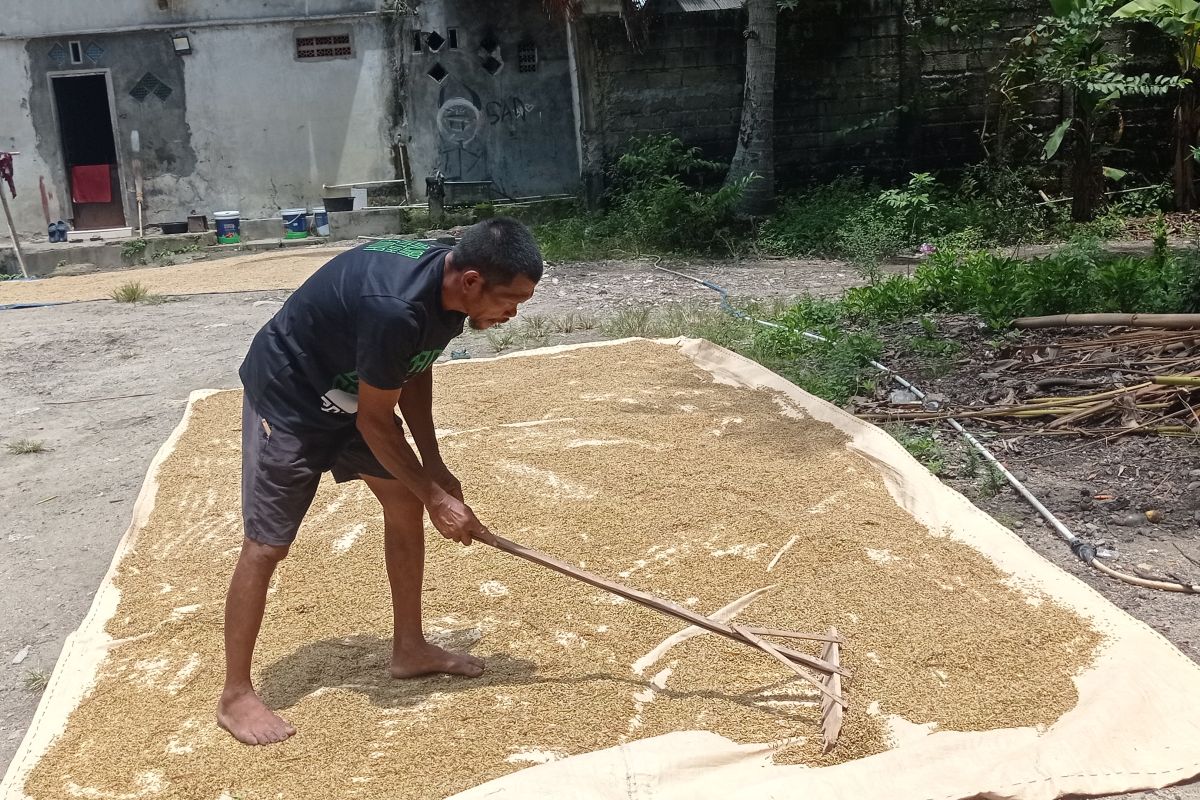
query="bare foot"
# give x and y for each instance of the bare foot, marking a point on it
(245, 716)
(427, 659)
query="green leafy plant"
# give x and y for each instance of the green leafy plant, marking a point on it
(662, 197)
(922, 446)
(1180, 20)
(992, 482)
(134, 250)
(913, 203)
(1069, 49)
(810, 222)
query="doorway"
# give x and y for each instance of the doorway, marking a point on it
(85, 128)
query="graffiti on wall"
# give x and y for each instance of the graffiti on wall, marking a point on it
(462, 153)
(511, 109)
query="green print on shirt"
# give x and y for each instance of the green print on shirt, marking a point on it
(348, 381)
(400, 247)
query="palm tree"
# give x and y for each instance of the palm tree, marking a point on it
(754, 159)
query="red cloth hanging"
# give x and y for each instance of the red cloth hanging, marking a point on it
(91, 183)
(6, 171)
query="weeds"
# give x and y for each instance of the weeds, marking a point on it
(500, 338)
(992, 482)
(36, 680)
(922, 446)
(632, 321)
(573, 321)
(535, 329)
(662, 197)
(22, 447)
(137, 292)
(1078, 278)
(134, 250)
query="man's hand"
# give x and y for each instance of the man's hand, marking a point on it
(455, 520)
(444, 478)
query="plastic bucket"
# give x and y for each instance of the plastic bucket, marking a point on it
(229, 226)
(321, 221)
(295, 223)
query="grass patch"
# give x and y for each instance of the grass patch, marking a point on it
(574, 321)
(500, 338)
(36, 680)
(135, 292)
(22, 447)
(921, 445)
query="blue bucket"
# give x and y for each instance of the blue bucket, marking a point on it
(229, 226)
(295, 223)
(321, 221)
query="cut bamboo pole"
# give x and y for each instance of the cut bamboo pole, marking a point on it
(832, 714)
(1169, 321)
(656, 603)
(1177, 380)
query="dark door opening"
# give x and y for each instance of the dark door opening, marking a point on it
(90, 153)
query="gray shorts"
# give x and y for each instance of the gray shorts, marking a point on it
(281, 470)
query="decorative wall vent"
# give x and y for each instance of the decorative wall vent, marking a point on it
(309, 48)
(150, 85)
(527, 60)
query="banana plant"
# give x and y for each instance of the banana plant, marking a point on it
(1180, 20)
(1068, 48)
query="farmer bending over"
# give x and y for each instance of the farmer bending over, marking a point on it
(322, 381)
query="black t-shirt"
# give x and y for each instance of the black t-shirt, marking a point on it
(374, 312)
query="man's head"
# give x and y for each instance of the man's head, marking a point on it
(493, 268)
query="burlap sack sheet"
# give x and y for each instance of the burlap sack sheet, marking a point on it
(1136, 725)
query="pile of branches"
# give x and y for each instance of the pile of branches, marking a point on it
(1124, 381)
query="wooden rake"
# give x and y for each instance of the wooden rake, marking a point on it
(830, 672)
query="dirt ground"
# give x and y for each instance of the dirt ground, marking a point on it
(102, 384)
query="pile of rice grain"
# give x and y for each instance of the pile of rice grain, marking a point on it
(628, 460)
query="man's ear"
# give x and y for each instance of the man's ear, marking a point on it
(472, 280)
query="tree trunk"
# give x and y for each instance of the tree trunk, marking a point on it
(1187, 123)
(755, 154)
(1086, 175)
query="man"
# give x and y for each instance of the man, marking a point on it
(322, 380)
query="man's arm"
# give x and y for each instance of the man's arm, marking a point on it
(416, 406)
(376, 422)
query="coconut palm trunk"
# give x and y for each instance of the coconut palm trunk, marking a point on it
(755, 154)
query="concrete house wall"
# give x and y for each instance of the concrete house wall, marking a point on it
(511, 126)
(241, 123)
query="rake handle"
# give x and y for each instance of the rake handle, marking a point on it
(656, 603)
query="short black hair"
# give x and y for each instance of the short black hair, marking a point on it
(499, 249)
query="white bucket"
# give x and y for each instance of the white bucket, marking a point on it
(320, 221)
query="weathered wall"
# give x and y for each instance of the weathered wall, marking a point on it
(251, 134)
(25, 19)
(869, 84)
(687, 81)
(513, 128)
